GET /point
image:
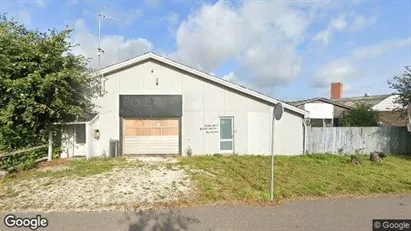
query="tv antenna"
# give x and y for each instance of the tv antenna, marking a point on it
(100, 51)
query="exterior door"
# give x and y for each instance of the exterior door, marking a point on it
(226, 135)
(80, 137)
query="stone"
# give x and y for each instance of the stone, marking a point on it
(355, 160)
(2, 174)
(375, 158)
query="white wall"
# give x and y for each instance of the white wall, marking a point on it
(94, 146)
(319, 110)
(68, 142)
(203, 103)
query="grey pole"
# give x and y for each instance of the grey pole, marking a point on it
(272, 159)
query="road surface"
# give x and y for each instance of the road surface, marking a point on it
(328, 214)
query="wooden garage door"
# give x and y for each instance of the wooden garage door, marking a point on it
(151, 136)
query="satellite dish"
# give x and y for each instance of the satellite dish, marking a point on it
(278, 111)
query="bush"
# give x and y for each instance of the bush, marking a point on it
(27, 160)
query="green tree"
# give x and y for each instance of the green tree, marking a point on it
(361, 116)
(402, 87)
(41, 83)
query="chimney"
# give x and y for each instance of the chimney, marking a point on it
(336, 90)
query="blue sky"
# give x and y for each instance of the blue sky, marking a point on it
(288, 49)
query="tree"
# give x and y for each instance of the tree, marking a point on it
(361, 116)
(41, 83)
(402, 87)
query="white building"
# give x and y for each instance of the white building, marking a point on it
(154, 105)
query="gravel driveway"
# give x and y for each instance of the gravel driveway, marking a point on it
(120, 188)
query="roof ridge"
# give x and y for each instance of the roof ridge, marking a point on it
(200, 73)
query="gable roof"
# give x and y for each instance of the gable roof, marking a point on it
(388, 104)
(371, 100)
(324, 100)
(161, 59)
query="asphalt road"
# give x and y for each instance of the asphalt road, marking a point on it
(331, 214)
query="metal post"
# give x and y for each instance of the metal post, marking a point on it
(272, 160)
(50, 147)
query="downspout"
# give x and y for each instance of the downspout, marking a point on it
(304, 136)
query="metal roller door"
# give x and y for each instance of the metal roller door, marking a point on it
(151, 136)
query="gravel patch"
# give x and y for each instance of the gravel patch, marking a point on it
(120, 188)
(155, 159)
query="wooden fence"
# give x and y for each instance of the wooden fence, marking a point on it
(362, 140)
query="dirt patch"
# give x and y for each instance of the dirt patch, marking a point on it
(53, 163)
(54, 168)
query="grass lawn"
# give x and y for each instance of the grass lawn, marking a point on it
(247, 178)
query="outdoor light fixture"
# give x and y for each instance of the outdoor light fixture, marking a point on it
(96, 134)
(157, 81)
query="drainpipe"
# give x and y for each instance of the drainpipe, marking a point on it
(305, 137)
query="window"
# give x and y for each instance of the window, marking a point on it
(317, 122)
(80, 133)
(226, 134)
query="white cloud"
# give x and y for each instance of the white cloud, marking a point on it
(153, 3)
(360, 22)
(116, 48)
(40, 3)
(230, 77)
(337, 24)
(381, 48)
(346, 68)
(342, 23)
(335, 71)
(172, 18)
(262, 36)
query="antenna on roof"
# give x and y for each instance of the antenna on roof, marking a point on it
(100, 51)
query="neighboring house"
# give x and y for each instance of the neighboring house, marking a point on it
(322, 112)
(327, 112)
(154, 105)
(385, 105)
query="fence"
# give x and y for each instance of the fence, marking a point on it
(362, 140)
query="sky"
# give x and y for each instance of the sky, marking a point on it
(290, 50)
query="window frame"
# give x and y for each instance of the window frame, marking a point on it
(231, 118)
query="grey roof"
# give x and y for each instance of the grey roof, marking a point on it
(370, 100)
(87, 117)
(301, 102)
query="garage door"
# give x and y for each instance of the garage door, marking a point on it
(151, 136)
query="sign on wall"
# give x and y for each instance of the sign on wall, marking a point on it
(151, 105)
(210, 128)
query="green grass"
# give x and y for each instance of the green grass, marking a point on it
(78, 168)
(247, 178)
